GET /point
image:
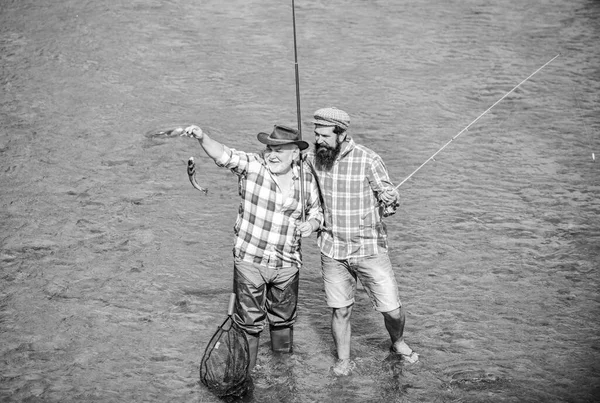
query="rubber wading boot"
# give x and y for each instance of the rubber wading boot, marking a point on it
(282, 339)
(252, 349)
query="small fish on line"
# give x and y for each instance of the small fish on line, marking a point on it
(173, 132)
(191, 170)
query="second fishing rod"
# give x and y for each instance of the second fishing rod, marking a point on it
(466, 128)
(474, 121)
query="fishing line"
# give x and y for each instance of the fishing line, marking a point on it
(476, 119)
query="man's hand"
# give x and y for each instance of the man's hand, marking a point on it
(194, 132)
(389, 201)
(389, 197)
(305, 228)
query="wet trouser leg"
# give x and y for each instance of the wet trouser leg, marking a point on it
(253, 340)
(250, 316)
(282, 300)
(265, 293)
(282, 339)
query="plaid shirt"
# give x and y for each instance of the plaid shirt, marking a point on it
(265, 229)
(353, 225)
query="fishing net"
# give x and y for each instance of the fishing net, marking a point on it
(224, 366)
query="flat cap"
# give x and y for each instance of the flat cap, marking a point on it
(332, 117)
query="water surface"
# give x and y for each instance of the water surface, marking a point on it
(115, 271)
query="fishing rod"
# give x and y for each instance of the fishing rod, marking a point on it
(298, 112)
(476, 119)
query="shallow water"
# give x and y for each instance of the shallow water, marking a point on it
(115, 271)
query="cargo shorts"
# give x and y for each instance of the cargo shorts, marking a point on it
(375, 274)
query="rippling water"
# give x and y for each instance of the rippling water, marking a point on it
(115, 271)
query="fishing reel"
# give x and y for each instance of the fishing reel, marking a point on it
(389, 210)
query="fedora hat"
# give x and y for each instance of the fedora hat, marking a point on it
(282, 135)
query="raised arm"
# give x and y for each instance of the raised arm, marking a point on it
(213, 148)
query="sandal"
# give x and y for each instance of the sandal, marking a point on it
(343, 367)
(410, 358)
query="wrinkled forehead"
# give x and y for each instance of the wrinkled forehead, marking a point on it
(323, 129)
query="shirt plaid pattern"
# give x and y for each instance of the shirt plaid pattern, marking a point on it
(265, 229)
(352, 216)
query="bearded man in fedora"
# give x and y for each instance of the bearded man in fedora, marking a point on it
(268, 231)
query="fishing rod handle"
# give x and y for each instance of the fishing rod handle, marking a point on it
(231, 307)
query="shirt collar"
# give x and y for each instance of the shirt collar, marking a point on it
(347, 146)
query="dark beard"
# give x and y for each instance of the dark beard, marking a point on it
(325, 156)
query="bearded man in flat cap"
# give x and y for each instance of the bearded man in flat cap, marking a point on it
(356, 193)
(268, 230)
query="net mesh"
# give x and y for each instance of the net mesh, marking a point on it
(224, 366)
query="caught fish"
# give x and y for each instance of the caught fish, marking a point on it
(173, 132)
(191, 170)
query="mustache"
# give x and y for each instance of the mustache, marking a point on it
(323, 147)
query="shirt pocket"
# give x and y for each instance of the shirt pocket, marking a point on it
(368, 218)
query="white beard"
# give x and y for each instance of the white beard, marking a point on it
(278, 168)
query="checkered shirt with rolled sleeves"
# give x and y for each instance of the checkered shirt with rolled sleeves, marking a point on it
(352, 225)
(265, 229)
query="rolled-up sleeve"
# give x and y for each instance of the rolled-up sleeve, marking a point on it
(224, 159)
(378, 177)
(237, 161)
